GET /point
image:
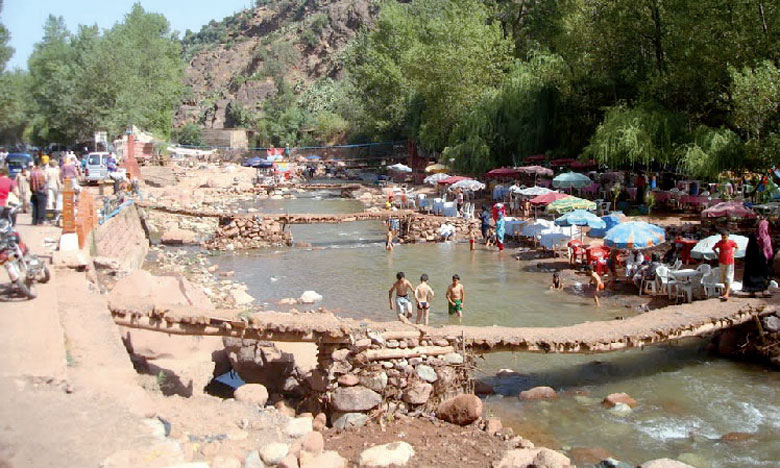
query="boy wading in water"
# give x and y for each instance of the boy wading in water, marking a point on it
(456, 295)
(389, 239)
(402, 288)
(595, 280)
(424, 296)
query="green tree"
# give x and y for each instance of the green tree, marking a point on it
(425, 65)
(189, 135)
(5, 51)
(131, 74)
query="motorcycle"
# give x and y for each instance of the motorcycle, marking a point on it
(24, 268)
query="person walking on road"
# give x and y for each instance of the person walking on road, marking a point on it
(38, 195)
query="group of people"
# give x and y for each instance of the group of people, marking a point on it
(423, 297)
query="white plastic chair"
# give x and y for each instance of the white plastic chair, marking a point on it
(684, 290)
(676, 265)
(664, 282)
(648, 285)
(710, 283)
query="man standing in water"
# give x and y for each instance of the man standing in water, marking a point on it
(403, 305)
(423, 295)
(456, 295)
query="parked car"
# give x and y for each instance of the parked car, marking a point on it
(97, 167)
(16, 161)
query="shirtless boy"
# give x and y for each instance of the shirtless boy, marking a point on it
(595, 280)
(424, 295)
(389, 239)
(456, 296)
(403, 305)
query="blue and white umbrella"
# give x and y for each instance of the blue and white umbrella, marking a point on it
(611, 220)
(571, 180)
(635, 235)
(580, 218)
(313, 157)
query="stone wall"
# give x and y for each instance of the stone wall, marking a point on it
(249, 232)
(425, 228)
(405, 374)
(123, 239)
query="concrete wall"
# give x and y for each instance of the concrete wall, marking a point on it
(122, 238)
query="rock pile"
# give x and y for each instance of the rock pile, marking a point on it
(249, 233)
(402, 374)
(423, 228)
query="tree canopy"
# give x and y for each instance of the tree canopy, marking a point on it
(92, 80)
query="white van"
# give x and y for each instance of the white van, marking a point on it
(97, 167)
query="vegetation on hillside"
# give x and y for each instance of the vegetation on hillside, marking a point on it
(673, 83)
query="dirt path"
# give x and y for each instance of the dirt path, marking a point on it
(54, 374)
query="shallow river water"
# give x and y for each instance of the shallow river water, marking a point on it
(687, 398)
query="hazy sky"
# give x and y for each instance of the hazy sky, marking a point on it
(24, 18)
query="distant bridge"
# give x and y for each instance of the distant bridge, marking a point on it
(654, 327)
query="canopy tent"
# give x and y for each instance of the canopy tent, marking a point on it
(590, 164)
(453, 179)
(547, 198)
(433, 179)
(562, 162)
(610, 220)
(436, 169)
(635, 235)
(703, 249)
(571, 180)
(503, 172)
(536, 171)
(400, 168)
(536, 158)
(470, 185)
(565, 205)
(730, 209)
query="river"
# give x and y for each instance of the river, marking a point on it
(687, 398)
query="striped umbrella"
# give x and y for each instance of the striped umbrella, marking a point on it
(635, 235)
(548, 198)
(564, 205)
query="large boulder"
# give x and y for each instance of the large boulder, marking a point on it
(393, 454)
(251, 393)
(461, 410)
(418, 393)
(274, 452)
(614, 398)
(352, 399)
(539, 393)
(348, 420)
(262, 362)
(178, 236)
(536, 457)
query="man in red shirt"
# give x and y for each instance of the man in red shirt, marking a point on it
(725, 250)
(7, 186)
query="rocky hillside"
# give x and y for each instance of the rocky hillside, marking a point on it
(236, 64)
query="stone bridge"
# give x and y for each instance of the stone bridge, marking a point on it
(653, 327)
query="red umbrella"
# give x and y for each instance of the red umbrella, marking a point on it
(536, 158)
(548, 198)
(583, 164)
(731, 209)
(453, 179)
(503, 172)
(535, 170)
(562, 162)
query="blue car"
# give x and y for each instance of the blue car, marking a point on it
(16, 161)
